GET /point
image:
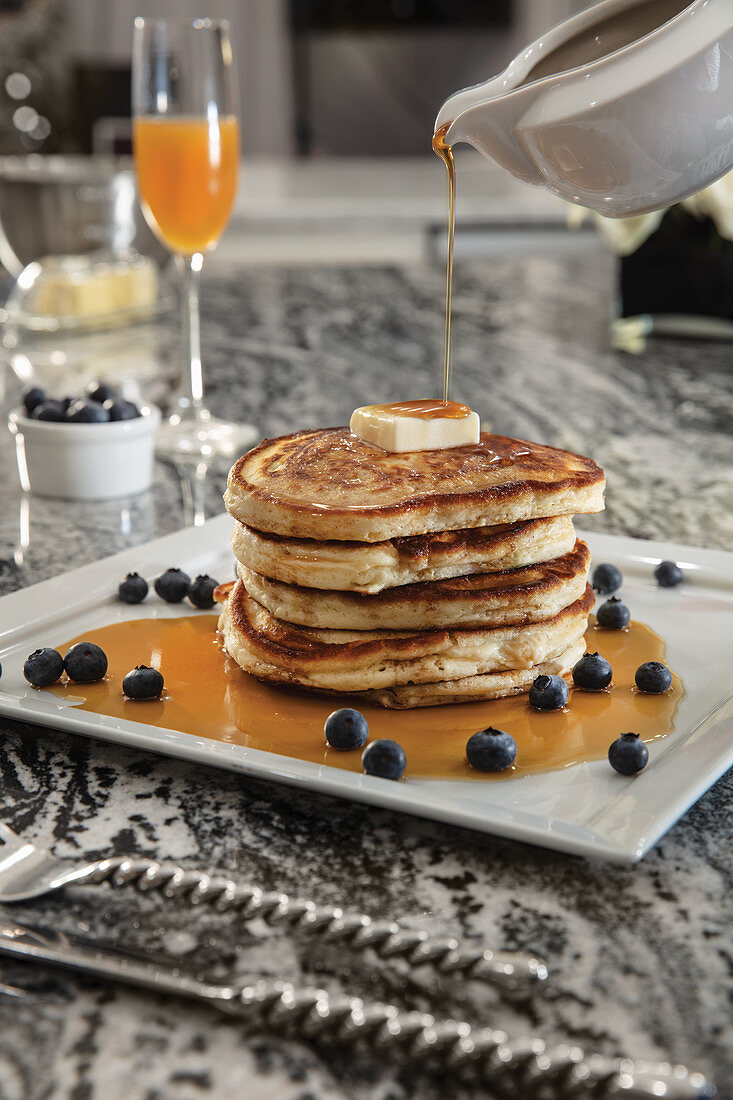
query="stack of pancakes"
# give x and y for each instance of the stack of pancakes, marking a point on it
(408, 579)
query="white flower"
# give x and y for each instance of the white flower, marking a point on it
(716, 201)
(625, 235)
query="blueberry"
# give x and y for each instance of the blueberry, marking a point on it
(173, 585)
(548, 693)
(121, 410)
(653, 677)
(43, 667)
(201, 592)
(86, 412)
(668, 574)
(99, 392)
(613, 614)
(592, 672)
(85, 663)
(348, 729)
(384, 758)
(133, 589)
(606, 578)
(628, 754)
(49, 410)
(143, 683)
(491, 750)
(33, 397)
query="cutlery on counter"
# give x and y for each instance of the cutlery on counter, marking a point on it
(28, 871)
(518, 1067)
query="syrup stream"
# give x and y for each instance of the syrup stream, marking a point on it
(445, 153)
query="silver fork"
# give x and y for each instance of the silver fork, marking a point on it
(28, 871)
(521, 1066)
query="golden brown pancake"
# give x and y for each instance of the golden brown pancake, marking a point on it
(371, 566)
(328, 484)
(524, 595)
(474, 689)
(378, 661)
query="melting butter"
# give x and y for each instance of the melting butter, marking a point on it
(421, 425)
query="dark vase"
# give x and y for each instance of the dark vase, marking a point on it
(684, 270)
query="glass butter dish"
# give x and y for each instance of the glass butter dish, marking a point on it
(60, 293)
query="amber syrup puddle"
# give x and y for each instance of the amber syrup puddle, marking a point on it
(208, 695)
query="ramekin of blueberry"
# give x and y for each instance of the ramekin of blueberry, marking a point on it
(92, 447)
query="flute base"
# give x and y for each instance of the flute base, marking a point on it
(202, 435)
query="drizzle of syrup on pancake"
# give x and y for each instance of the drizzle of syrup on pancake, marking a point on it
(208, 696)
(426, 409)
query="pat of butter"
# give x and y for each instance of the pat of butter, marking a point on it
(424, 425)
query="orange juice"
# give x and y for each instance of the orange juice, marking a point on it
(187, 176)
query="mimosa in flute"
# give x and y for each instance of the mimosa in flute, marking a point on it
(186, 144)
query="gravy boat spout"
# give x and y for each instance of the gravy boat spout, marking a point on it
(623, 108)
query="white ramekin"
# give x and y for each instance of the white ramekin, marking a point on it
(85, 461)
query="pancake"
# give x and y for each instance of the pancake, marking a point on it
(369, 567)
(529, 594)
(377, 661)
(327, 484)
(474, 689)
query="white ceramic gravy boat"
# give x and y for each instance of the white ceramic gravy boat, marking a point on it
(640, 127)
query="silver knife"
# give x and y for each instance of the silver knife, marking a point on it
(525, 1067)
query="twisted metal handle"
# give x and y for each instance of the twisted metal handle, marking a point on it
(513, 972)
(523, 1068)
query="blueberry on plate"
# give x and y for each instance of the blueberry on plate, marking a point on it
(33, 397)
(613, 614)
(668, 574)
(49, 410)
(592, 672)
(628, 754)
(653, 677)
(85, 663)
(606, 579)
(491, 750)
(133, 589)
(173, 585)
(43, 667)
(86, 412)
(201, 592)
(143, 682)
(119, 409)
(347, 729)
(99, 392)
(384, 758)
(548, 693)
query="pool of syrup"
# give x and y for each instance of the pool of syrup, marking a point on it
(208, 695)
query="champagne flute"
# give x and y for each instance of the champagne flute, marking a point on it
(186, 146)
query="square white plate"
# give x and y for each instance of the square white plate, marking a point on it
(586, 809)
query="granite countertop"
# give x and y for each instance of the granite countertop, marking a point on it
(641, 958)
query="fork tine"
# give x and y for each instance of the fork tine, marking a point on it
(7, 834)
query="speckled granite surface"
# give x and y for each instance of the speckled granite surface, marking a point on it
(641, 958)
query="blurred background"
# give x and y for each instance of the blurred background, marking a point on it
(317, 77)
(337, 98)
(337, 103)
